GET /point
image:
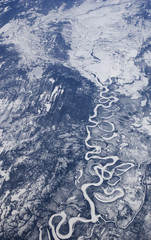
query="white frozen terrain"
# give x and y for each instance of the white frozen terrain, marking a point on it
(104, 37)
(104, 42)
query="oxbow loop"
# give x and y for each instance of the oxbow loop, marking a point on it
(108, 169)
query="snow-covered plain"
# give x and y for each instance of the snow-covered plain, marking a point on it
(105, 37)
(102, 40)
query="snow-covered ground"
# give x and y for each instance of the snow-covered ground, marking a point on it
(104, 36)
